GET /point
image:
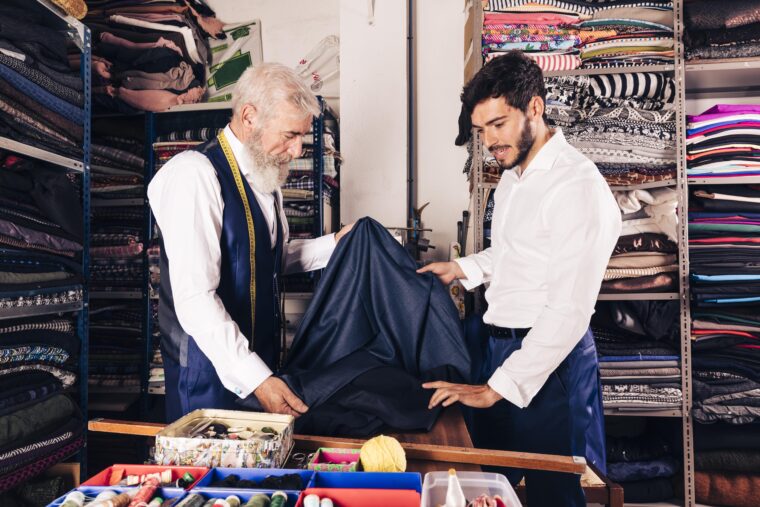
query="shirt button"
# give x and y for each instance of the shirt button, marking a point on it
(238, 391)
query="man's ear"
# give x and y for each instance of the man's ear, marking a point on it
(249, 116)
(536, 107)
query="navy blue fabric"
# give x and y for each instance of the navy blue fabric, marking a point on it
(373, 322)
(191, 380)
(566, 417)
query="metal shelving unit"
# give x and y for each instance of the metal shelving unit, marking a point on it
(81, 37)
(736, 180)
(611, 70)
(641, 296)
(624, 412)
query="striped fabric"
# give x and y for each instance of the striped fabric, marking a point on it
(637, 84)
(548, 62)
(542, 5)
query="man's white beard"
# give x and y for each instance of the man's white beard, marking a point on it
(269, 171)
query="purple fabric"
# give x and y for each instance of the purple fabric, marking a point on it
(723, 110)
(37, 237)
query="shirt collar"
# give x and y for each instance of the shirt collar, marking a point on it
(239, 151)
(547, 155)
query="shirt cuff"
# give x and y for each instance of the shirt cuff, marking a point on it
(256, 372)
(324, 247)
(506, 387)
(472, 271)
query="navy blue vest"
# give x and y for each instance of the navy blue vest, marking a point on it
(235, 278)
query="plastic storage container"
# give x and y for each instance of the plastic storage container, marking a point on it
(328, 459)
(244, 496)
(473, 484)
(102, 479)
(365, 497)
(367, 480)
(254, 474)
(165, 493)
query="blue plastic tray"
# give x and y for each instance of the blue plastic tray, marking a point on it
(367, 480)
(254, 474)
(243, 494)
(93, 491)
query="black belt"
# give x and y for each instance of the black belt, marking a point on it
(507, 332)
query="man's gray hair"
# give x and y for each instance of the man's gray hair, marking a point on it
(268, 84)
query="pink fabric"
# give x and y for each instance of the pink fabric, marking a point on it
(156, 100)
(530, 18)
(119, 41)
(548, 62)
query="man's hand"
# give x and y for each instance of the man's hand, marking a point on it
(446, 272)
(277, 398)
(478, 396)
(345, 230)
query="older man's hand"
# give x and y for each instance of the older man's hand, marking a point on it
(276, 397)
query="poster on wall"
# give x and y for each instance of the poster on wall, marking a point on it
(238, 49)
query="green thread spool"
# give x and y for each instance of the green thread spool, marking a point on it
(279, 499)
(259, 500)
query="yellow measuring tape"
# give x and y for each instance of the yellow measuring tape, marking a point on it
(249, 220)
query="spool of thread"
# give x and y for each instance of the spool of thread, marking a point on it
(210, 502)
(186, 480)
(383, 454)
(233, 501)
(258, 500)
(73, 499)
(311, 501)
(192, 500)
(279, 499)
(106, 495)
(156, 502)
(120, 500)
(326, 502)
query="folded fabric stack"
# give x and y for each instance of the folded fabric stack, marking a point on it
(115, 347)
(149, 56)
(624, 123)
(641, 459)
(727, 460)
(723, 142)
(638, 357)
(645, 265)
(568, 34)
(41, 96)
(732, 31)
(39, 426)
(40, 235)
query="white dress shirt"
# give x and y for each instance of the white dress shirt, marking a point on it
(552, 234)
(186, 200)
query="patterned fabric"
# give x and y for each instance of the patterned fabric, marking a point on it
(199, 134)
(33, 353)
(618, 273)
(47, 299)
(67, 378)
(56, 325)
(21, 475)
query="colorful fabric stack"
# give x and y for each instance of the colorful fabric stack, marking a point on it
(624, 123)
(650, 265)
(149, 56)
(568, 34)
(724, 142)
(731, 31)
(41, 94)
(639, 360)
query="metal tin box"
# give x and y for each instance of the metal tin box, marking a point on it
(175, 446)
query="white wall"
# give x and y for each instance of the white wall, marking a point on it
(373, 112)
(440, 68)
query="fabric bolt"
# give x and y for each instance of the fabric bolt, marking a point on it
(727, 488)
(156, 100)
(41, 95)
(197, 52)
(728, 460)
(178, 78)
(63, 92)
(23, 474)
(642, 470)
(663, 282)
(702, 15)
(110, 38)
(25, 423)
(369, 263)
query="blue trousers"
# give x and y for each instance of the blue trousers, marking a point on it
(566, 417)
(194, 386)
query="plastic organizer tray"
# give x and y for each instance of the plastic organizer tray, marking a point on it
(350, 497)
(243, 495)
(102, 479)
(92, 492)
(473, 485)
(255, 474)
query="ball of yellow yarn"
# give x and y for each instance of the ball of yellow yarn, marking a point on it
(383, 454)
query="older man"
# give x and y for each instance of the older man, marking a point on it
(225, 242)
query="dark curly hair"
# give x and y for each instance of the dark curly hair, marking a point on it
(513, 76)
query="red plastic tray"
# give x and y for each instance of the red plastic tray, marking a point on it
(365, 497)
(103, 478)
